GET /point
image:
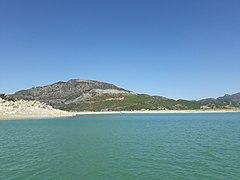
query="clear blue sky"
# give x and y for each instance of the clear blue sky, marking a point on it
(174, 48)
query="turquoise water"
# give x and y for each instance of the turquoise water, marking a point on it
(173, 146)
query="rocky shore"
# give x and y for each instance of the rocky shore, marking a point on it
(11, 108)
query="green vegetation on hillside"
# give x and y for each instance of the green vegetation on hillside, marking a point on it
(130, 102)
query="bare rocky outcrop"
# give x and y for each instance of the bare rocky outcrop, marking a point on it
(12, 108)
(99, 92)
(74, 90)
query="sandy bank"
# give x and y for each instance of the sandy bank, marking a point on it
(35, 115)
(21, 109)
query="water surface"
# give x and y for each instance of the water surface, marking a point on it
(152, 146)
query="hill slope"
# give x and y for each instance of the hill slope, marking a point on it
(74, 90)
(88, 95)
(224, 101)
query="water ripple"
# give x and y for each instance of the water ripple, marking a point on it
(122, 147)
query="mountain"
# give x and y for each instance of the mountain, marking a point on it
(233, 97)
(89, 95)
(224, 101)
(73, 90)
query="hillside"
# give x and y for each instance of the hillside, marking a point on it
(88, 95)
(61, 93)
(224, 101)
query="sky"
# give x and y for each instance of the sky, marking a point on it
(188, 49)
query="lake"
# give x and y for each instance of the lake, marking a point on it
(122, 146)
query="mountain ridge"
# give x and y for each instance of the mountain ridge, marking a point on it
(92, 95)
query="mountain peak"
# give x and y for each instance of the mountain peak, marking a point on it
(61, 92)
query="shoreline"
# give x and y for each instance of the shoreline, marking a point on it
(63, 114)
(160, 112)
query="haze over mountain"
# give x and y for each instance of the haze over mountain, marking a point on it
(89, 95)
(226, 100)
